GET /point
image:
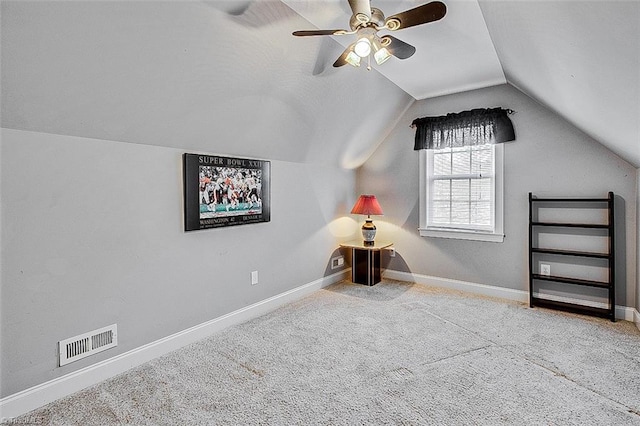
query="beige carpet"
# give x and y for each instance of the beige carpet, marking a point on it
(395, 353)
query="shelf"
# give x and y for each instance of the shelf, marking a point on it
(573, 307)
(571, 253)
(572, 225)
(568, 280)
(566, 227)
(570, 200)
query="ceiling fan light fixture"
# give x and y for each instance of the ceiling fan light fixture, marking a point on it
(362, 47)
(353, 59)
(381, 54)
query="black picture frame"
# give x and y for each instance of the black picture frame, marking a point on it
(225, 191)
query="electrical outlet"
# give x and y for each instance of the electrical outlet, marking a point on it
(392, 252)
(254, 277)
(545, 269)
(337, 262)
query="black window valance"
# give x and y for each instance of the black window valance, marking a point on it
(475, 127)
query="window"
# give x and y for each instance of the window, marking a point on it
(461, 192)
(461, 173)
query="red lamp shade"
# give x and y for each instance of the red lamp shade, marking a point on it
(367, 204)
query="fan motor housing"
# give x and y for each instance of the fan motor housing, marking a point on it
(377, 20)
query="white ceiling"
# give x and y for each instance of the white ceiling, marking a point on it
(227, 76)
(198, 76)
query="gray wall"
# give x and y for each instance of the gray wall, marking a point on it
(549, 157)
(92, 228)
(92, 234)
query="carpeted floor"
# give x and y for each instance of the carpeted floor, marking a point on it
(395, 353)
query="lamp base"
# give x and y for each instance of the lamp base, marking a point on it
(368, 232)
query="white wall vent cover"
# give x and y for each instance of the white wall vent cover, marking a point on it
(86, 344)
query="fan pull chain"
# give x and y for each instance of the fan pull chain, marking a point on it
(369, 63)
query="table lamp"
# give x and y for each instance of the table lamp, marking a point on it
(368, 204)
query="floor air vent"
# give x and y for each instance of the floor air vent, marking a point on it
(86, 344)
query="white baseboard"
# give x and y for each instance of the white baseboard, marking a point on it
(631, 314)
(622, 312)
(475, 288)
(37, 396)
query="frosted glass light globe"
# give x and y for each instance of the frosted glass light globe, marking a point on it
(362, 47)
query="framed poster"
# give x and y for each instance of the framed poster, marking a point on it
(225, 191)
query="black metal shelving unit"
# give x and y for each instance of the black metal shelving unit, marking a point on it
(536, 226)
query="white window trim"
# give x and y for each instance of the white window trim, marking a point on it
(497, 236)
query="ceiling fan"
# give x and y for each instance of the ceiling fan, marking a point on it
(366, 21)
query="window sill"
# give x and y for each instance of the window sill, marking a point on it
(462, 235)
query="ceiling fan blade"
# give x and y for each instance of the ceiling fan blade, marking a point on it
(305, 33)
(360, 9)
(429, 12)
(398, 48)
(342, 60)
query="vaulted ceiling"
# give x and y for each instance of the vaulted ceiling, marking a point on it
(579, 58)
(228, 76)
